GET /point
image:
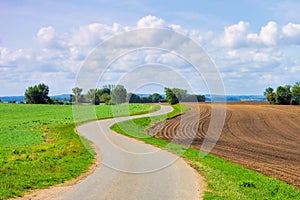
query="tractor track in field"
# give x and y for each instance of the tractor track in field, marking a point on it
(261, 137)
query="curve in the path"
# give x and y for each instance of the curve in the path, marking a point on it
(133, 170)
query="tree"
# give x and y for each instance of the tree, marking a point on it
(119, 94)
(146, 99)
(77, 93)
(271, 98)
(105, 98)
(93, 96)
(194, 98)
(296, 93)
(155, 98)
(171, 97)
(269, 90)
(283, 95)
(37, 94)
(133, 98)
(179, 93)
(270, 95)
(104, 90)
(109, 86)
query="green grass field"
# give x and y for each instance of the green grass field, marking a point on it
(39, 147)
(225, 180)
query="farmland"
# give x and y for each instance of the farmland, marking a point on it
(39, 147)
(224, 179)
(264, 138)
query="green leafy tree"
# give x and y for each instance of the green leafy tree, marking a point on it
(155, 98)
(171, 97)
(119, 94)
(146, 99)
(105, 98)
(283, 95)
(268, 90)
(271, 96)
(37, 94)
(77, 93)
(93, 96)
(133, 98)
(296, 93)
(179, 93)
(104, 90)
(194, 98)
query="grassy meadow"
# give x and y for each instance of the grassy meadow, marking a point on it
(40, 148)
(225, 180)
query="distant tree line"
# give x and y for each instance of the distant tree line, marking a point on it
(108, 95)
(284, 95)
(176, 95)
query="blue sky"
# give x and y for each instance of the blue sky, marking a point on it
(254, 44)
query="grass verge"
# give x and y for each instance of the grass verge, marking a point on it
(39, 147)
(225, 180)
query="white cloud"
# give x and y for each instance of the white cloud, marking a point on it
(46, 35)
(93, 34)
(269, 34)
(235, 35)
(240, 53)
(151, 22)
(292, 33)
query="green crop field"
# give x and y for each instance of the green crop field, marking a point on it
(39, 146)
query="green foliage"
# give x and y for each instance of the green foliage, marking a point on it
(155, 98)
(93, 97)
(296, 93)
(194, 98)
(119, 94)
(39, 148)
(133, 98)
(171, 97)
(77, 93)
(268, 90)
(37, 94)
(179, 93)
(105, 98)
(225, 180)
(285, 95)
(104, 90)
(271, 98)
(176, 95)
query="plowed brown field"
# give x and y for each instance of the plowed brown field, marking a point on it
(265, 138)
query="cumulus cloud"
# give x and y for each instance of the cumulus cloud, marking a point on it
(239, 35)
(151, 22)
(46, 36)
(235, 35)
(239, 52)
(269, 34)
(93, 34)
(292, 33)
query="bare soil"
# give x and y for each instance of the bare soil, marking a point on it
(265, 138)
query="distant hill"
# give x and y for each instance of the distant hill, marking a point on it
(18, 99)
(229, 98)
(209, 98)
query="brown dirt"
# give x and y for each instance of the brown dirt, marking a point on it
(264, 138)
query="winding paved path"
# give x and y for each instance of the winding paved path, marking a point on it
(130, 169)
